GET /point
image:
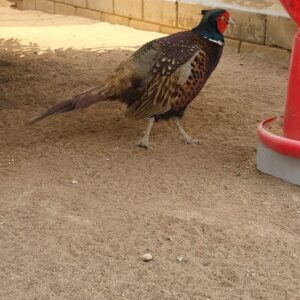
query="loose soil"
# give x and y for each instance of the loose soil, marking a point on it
(81, 204)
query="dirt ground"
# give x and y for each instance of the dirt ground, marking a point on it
(80, 204)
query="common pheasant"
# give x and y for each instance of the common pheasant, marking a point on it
(162, 77)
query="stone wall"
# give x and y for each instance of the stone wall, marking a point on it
(264, 33)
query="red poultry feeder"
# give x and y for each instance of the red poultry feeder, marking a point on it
(279, 155)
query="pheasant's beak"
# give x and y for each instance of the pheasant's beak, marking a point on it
(230, 21)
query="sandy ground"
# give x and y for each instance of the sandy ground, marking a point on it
(80, 204)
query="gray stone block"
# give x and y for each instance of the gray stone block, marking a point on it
(280, 31)
(249, 26)
(278, 165)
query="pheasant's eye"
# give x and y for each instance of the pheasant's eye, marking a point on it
(222, 18)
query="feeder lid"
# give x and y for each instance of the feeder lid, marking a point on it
(293, 8)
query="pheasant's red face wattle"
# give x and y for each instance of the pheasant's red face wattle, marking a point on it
(222, 21)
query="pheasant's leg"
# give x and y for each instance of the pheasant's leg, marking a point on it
(144, 142)
(186, 137)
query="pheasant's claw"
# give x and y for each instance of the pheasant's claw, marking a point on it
(144, 144)
(191, 141)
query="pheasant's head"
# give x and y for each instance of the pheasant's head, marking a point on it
(213, 25)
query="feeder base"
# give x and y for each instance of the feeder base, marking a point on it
(278, 165)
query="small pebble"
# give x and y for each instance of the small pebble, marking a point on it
(180, 258)
(147, 257)
(74, 181)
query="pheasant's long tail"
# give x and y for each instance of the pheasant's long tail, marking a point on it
(77, 102)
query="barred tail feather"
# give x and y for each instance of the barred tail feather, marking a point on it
(77, 102)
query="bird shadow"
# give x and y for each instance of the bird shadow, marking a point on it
(32, 80)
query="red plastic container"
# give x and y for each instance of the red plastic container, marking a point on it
(291, 125)
(289, 144)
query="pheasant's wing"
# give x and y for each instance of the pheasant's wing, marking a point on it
(174, 84)
(155, 99)
(156, 77)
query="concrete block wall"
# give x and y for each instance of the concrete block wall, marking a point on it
(264, 33)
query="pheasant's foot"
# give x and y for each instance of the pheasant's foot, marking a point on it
(144, 143)
(189, 140)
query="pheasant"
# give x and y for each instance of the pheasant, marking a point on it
(162, 77)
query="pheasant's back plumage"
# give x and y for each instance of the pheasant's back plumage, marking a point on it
(165, 75)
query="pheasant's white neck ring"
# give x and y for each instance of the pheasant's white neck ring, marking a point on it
(215, 41)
